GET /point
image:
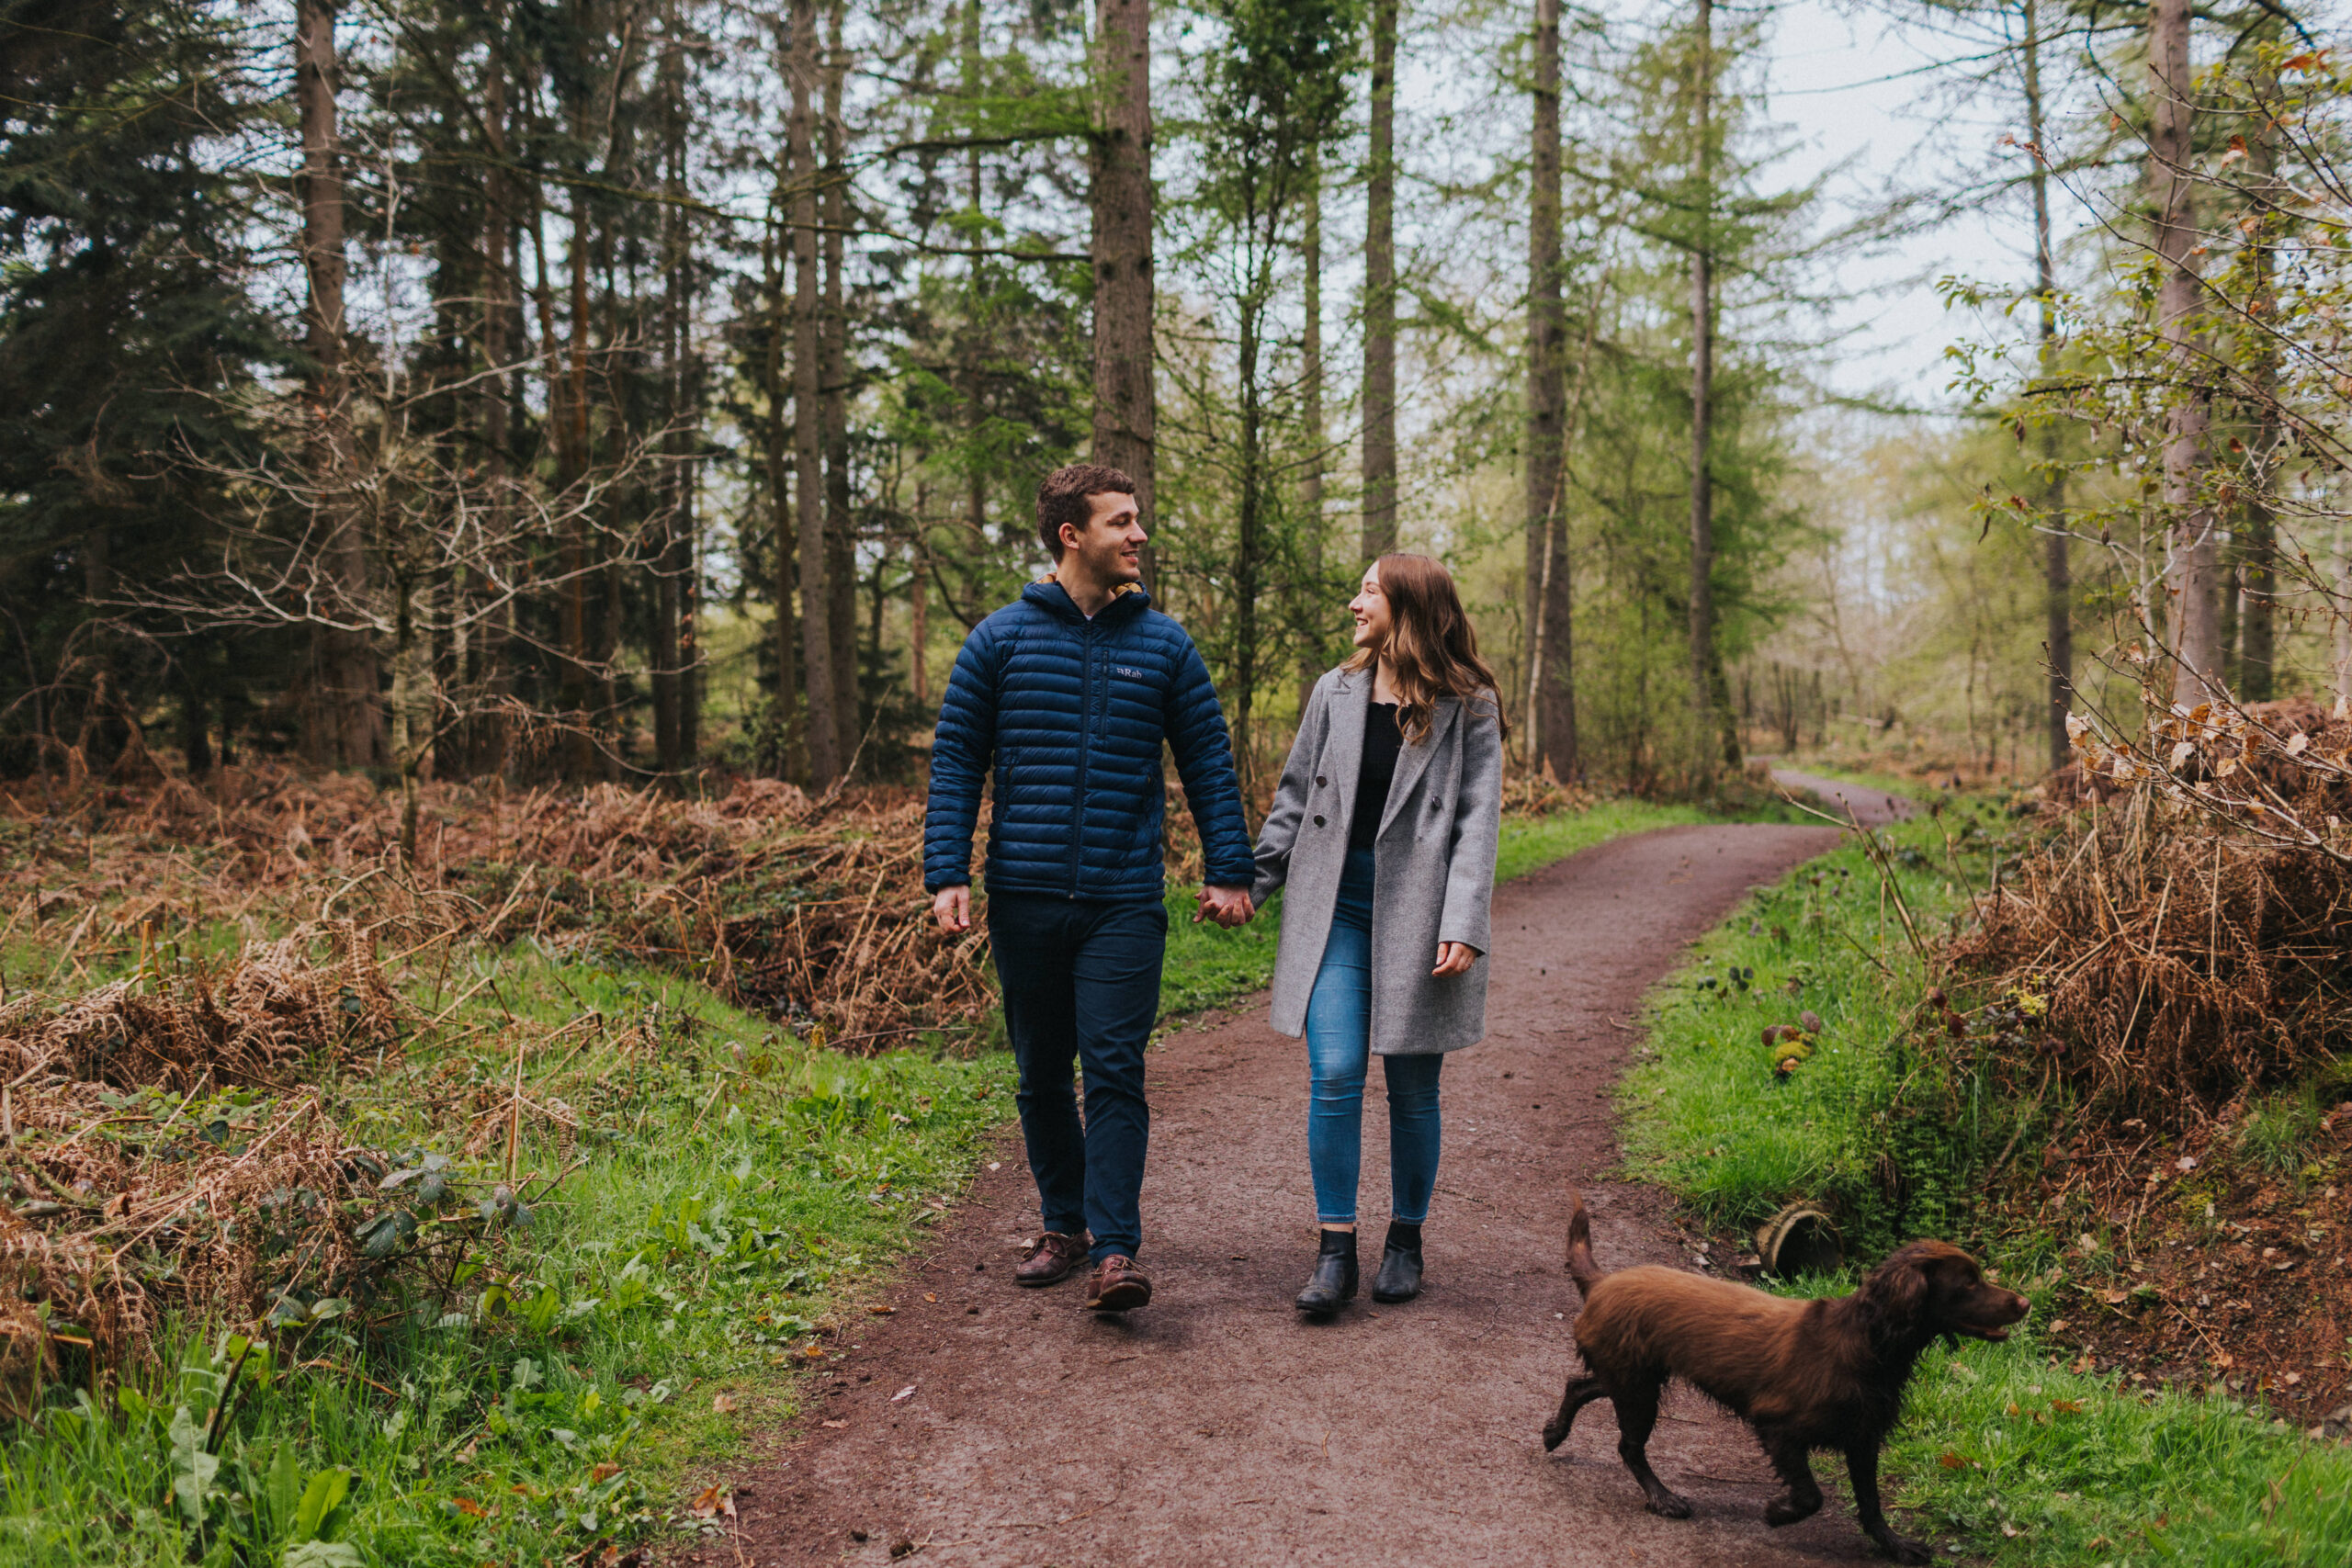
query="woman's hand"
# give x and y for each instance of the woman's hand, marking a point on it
(1453, 958)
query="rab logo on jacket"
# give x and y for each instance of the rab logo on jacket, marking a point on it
(1130, 673)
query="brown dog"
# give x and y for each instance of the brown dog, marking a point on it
(1805, 1375)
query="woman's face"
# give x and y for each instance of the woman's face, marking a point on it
(1369, 607)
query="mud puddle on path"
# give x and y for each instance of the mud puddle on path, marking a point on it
(1216, 1428)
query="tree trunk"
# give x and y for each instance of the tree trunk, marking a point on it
(776, 439)
(973, 348)
(486, 745)
(919, 598)
(1706, 667)
(668, 533)
(1310, 376)
(2196, 600)
(2057, 576)
(412, 707)
(841, 554)
(1126, 408)
(823, 727)
(350, 725)
(2258, 532)
(1249, 538)
(1380, 293)
(573, 457)
(1550, 694)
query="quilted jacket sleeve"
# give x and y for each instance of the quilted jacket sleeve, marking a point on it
(1280, 831)
(1196, 733)
(962, 751)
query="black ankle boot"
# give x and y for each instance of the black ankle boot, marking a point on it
(1334, 1280)
(1400, 1265)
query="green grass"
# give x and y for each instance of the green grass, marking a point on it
(2086, 1471)
(1531, 843)
(1706, 1115)
(1208, 966)
(2001, 1449)
(742, 1192)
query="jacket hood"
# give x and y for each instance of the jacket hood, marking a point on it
(1127, 599)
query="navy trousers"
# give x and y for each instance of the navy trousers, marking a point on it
(1082, 986)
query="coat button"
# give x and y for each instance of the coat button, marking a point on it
(1321, 783)
(1318, 821)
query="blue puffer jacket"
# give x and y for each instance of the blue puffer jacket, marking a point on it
(1071, 713)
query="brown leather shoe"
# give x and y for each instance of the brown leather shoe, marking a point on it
(1051, 1258)
(1117, 1286)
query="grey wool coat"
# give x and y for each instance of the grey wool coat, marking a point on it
(1434, 854)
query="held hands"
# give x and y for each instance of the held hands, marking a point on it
(1453, 958)
(952, 907)
(1228, 907)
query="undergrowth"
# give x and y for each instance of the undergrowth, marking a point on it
(2005, 1447)
(572, 1387)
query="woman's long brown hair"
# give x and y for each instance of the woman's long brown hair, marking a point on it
(1432, 650)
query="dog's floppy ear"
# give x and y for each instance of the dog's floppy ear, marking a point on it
(1896, 1290)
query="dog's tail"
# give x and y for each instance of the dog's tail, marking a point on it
(1581, 1267)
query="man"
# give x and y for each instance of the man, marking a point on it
(1068, 693)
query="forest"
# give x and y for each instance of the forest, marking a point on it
(645, 392)
(491, 491)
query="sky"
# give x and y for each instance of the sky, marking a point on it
(1853, 96)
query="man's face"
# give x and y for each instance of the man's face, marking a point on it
(1109, 548)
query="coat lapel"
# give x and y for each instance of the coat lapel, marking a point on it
(1413, 761)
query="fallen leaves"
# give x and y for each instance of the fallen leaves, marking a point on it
(723, 1403)
(712, 1502)
(905, 1392)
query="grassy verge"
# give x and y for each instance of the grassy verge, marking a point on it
(2033, 1462)
(1707, 1115)
(579, 1380)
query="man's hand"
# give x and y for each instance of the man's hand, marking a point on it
(952, 907)
(1228, 907)
(1453, 958)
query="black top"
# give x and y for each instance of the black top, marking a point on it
(1381, 741)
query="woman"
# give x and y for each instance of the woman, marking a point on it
(1383, 831)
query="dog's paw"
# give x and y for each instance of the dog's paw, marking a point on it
(1669, 1504)
(1786, 1510)
(1554, 1434)
(1903, 1548)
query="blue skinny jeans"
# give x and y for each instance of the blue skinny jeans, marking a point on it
(1338, 1048)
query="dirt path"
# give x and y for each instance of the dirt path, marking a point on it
(1216, 1426)
(1872, 807)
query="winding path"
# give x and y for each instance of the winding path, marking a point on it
(1215, 1427)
